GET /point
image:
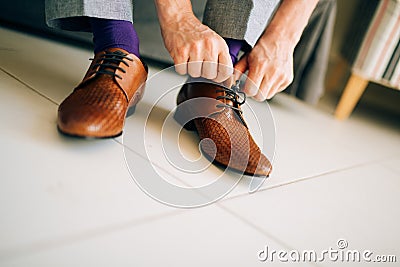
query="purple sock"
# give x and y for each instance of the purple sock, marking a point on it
(234, 46)
(108, 33)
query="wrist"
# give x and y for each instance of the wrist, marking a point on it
(282, 37)
(290, 20)
(173, 13)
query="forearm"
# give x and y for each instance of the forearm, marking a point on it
(290, 20)
(170, 11)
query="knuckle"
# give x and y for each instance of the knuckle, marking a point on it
(196, 46)
(180, 53)
(179, 61)
(210, 43)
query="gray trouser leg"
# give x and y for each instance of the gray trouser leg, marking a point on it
(73, 14)
(312, 54)
(240, 19)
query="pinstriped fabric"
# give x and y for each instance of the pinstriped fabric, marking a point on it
(384, 53)
(372, 31)
(396, 79)
(393, 62)
(379, 51)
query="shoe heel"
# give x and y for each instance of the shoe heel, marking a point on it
(181, 115)
(134, 101)
(131, 111)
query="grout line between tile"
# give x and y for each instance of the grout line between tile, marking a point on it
(28, 86)
(391, 169)
(43, 245)
(312, 177)
(258, 229)
(152, 162)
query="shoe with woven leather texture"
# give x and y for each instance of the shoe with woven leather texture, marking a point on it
(98, 106)
(224, 136)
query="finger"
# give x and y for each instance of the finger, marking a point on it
(180, 61)
(253, 82)
(181, 68)
(210, 69)
(240, 68)
(263, 90)
(195, 61)
(282, 87)
(279, 85)
(259, 97)
(229, 82)
(285, 83)
(181, 65)
(194, 67)
(275, 89)
(225, 67)
(272, 93)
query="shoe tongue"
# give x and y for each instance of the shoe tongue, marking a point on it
(211, 90)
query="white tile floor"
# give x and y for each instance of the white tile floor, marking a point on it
(70, 202)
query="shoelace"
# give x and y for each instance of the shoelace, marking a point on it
(111, 60)
(232, 94)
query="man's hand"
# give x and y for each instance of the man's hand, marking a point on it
(270, 65)
(270, 62)
(194, 47)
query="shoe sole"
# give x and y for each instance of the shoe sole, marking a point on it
(87, 136)
(129, 113)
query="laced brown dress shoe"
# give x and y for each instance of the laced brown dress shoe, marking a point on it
(98, 105)
(231, 143)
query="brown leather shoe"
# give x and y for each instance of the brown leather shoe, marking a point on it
(98, 105)
(224, 125)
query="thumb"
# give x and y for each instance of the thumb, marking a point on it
(240, 67)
